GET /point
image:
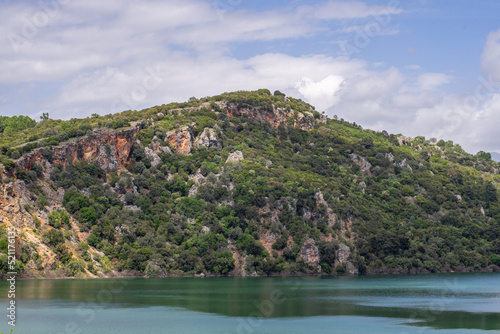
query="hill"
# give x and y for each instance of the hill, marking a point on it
(244, 183)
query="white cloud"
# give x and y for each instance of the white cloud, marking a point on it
(157, 15)
(182, 76)
(491, 55)
(80, 36)
(474, 130)
(322, 92)
(430, 81)
(371, 29)
(372, 85)
(347, 10)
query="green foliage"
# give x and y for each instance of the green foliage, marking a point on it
(422, 206)
(9, 165)
(495, 259)
(41, 202)
(54, 237)
(45, 116)
(88, 215)
(248, 244)
(72, 268)
(219, 262)
(59, 218)
(93, 240)
(484, 155)
(15, 124)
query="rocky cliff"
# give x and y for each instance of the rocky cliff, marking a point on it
(275, 117)
(107, 148)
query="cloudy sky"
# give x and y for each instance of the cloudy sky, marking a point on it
(415, 67)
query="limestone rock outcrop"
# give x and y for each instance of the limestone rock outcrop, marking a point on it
(343, 256)
(274, 116)
(180, 140)
(208, 138)
(361, 162)
(235, 157)
(309, 253)
(108, 148)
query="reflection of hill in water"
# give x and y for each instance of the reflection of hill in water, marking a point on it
(438, 301)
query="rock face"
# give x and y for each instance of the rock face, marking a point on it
(110, 149)
(361, 162)
(309, 253)
(342, 256)
(362, 184)
(180, 140)
(351, 269)
(17, 204)
(154, 148)
(275, 117)
(332, 217)
(155, 158)
(405, 140)
(403, 164)
(343, 253)
(198, 179)
(107, 148)
(234, 157)
(208, 138)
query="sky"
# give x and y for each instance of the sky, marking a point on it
(415, 67)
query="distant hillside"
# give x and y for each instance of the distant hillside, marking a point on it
(495, 156)
(243, 183)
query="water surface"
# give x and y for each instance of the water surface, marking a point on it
(438, 303)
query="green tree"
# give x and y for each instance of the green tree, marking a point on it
(58, 218)
(45, 116)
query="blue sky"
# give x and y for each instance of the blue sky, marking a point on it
(414, 67)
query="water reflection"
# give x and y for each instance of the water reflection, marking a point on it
(448, 301)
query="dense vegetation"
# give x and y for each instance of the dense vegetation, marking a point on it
(399, 204)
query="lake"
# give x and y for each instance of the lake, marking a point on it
(435, 303)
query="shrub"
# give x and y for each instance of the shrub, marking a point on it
(58, 218)
(9, 165)
(73, 267)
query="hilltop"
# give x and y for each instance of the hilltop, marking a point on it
(243, 183)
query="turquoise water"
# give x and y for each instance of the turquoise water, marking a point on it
(438, 303)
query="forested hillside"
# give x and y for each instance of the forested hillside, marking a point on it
(244, 183)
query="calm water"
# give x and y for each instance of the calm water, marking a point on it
(444, 303)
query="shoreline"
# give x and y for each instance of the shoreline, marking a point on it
(370, 272)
